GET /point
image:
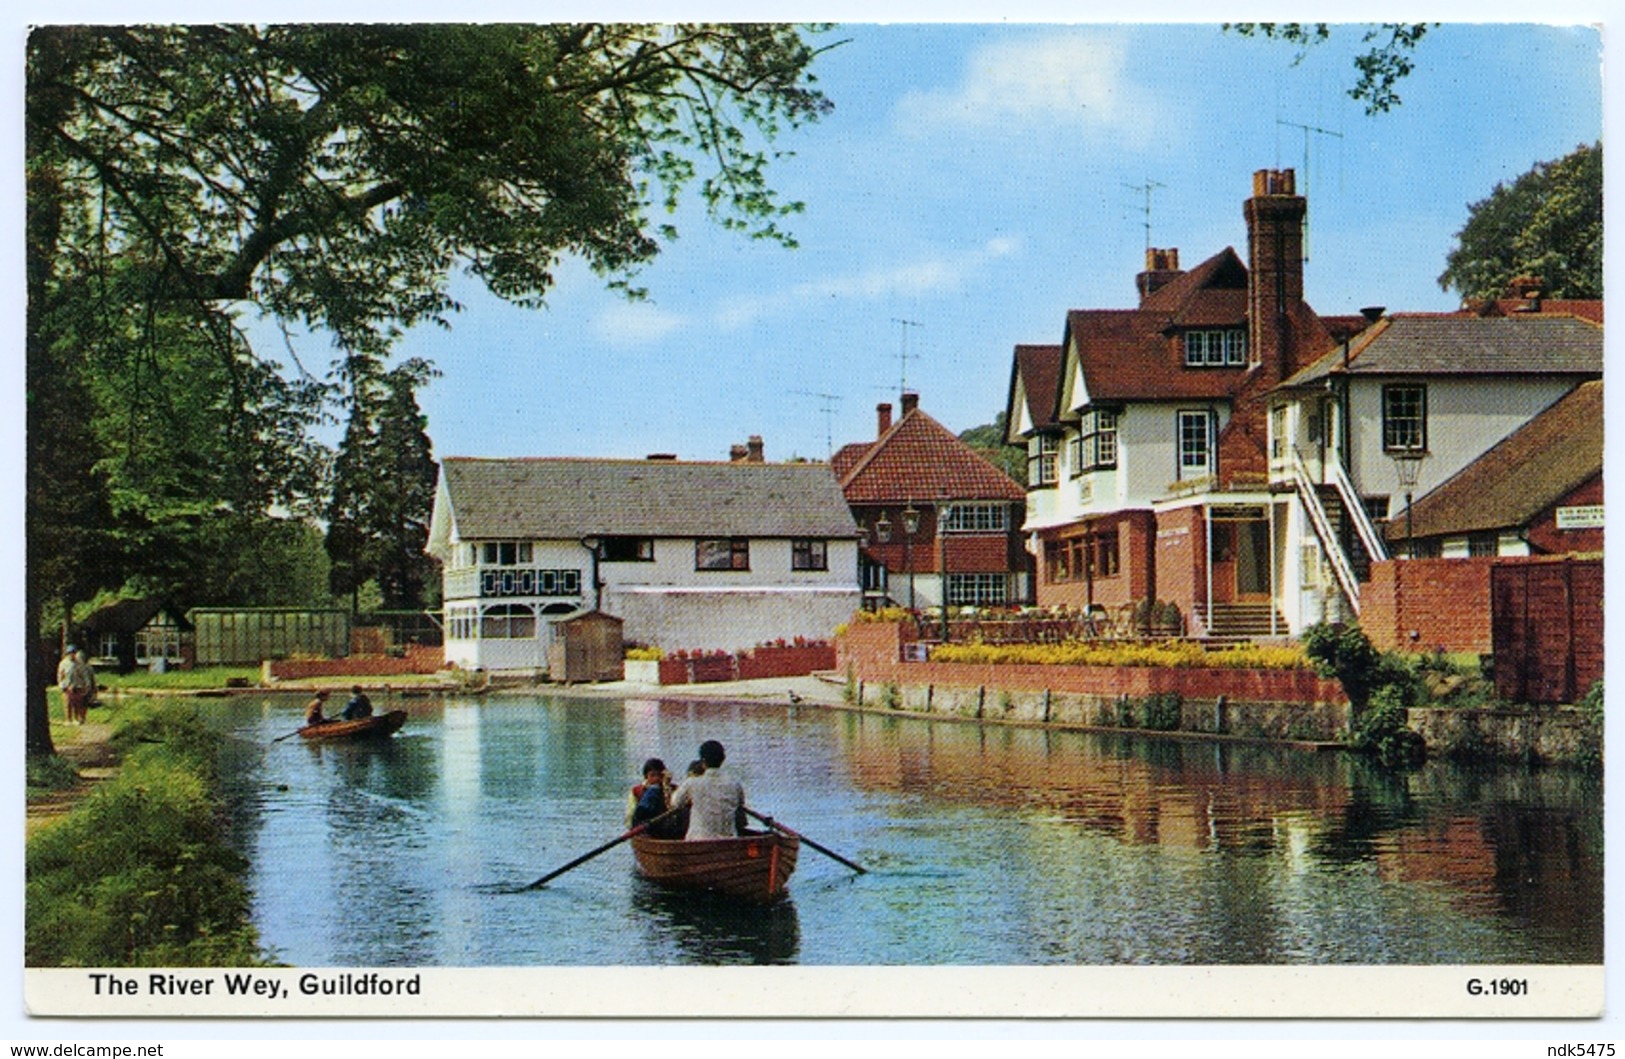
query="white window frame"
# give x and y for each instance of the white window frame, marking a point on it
(1184, 435)
(978, 590)
(1043, 456)
(978, 517)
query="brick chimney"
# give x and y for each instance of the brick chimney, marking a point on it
(737, 453)
(1161, 267)
(911, 401)
(882, 418)
(1275, 216)
(753, 449)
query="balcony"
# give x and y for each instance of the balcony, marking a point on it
(512, 581)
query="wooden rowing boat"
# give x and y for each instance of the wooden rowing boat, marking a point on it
(378, 726)
(755, 866)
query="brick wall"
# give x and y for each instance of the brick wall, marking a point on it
(418, 659)
(758, 664)
(873, 652)
(1428, 604)
(1548, 628)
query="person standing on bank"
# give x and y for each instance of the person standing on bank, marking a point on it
(78, 683)
(715, 799)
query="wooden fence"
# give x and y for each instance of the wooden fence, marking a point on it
(1546, 625)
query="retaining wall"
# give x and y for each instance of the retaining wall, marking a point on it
(1277, 704)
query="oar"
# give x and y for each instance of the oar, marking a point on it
(585, 857)
(831, 854)
(290, 735)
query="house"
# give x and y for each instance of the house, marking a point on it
(689, 555)
(138, 632)
(1437, 435)
(1146, 429)
(938, 520)
(1536, 492)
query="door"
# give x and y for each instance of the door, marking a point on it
(1252, 561)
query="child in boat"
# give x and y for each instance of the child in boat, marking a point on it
(654, 776)
(313, 712)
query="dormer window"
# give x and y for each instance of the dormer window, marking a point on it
(1216, 349)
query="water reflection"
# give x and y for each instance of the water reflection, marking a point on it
(705, 928)
(984, 845)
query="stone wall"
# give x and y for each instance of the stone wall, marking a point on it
(1545, 735)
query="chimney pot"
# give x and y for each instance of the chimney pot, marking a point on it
(754, 448)
(737, 453)
(911, 401)
(882, 418)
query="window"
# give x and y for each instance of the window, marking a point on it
(977, 590)
(1106, 560)
(1278, 432)
(1096, 442)
(158, 640)
(722, 553)
(975, 518)
(530, 582)
(1404, 418)
(1041, 456)
(809, 555)
(1480, 544)
(461, 623)
(506, 553)
(1216, 349)
(1195, 439)
(1376, 507)
(627, 550)
(508, 621)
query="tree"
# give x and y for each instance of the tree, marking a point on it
(1382, 66)
(383, 491)
(988, 441)
(1546, 224)
(333, 176)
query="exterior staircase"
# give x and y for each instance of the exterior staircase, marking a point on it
(1243, 621)
(1343, 529)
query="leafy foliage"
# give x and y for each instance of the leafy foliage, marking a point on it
(1381, 66)
(1547, 225)
(1381, 688)
(139, 874)
(1175, 653)
(383, 490)
(331, 178)
(988, 440)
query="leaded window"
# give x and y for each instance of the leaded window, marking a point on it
(1404, 418)
(722, 553)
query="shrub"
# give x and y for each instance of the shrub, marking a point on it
(1163, 711)
(891, 697)
(1175, 654)
(1384, 730)
(644, 654)
(140, 874)
(1591, 717)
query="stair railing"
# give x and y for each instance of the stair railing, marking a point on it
(1369, 538)
(1329, 544)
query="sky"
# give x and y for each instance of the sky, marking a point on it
(975, 182)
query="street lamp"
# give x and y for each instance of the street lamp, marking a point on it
(1408, 466)
(911, 526)
(944, 513)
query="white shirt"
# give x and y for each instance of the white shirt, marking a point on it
(714, 798)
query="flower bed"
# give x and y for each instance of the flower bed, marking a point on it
(1177, 654)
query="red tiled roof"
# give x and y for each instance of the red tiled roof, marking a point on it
(1131, 354)
(1532, 468)
(920, 459)
(847, 457)
(1039, 369)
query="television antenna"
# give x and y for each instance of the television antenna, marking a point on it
(904, 356)
(1308, 131)
(1146, 188)
(826, 406)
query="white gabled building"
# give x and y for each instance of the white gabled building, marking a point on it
(713, 556)
(1421, 394)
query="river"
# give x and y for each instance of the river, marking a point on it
(985, 845)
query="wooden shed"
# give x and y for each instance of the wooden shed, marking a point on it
(586, 648)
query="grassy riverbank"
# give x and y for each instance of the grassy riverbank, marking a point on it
(138, 872)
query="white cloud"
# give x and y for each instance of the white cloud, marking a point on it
(1067, 79)
(635, 324)
(947, 272)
